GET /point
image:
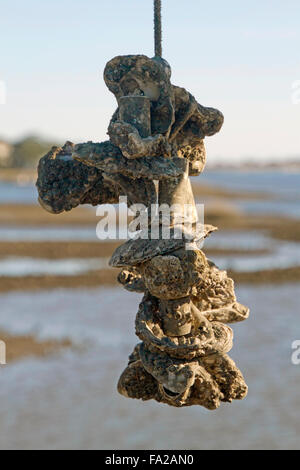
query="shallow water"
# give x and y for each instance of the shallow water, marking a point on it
(287, 208)
(70, 401)
(42, 233)
(21, 267)
(285, 255)
(244, 240)
(11, 193)
(281, 254)
(284, 186)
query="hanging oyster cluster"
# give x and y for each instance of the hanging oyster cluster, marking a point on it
(157, 134)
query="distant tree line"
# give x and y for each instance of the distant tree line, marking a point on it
(24, 153)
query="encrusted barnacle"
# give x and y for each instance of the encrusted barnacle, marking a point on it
(174, 275)
(139, 250)
(131, 280)
(63, 183)
(204, 337)
(156, 142)
(205, 381)
(136, 75)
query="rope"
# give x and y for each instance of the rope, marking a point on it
(157, 28)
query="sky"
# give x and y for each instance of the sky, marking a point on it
(242, 57)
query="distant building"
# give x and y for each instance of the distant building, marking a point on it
(5, 153)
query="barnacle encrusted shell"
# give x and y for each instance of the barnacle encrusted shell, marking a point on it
(124, 75)
(63, 184)
(174, 275)
(156, 141)
(139, 250)
(205, 338)
(205, 381)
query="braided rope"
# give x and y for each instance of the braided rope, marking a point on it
(157, 28)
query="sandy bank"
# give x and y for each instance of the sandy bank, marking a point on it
(65, 250)
(282, 228)
(268, 276)
(108, 277)
(18, 347)
(105, 277)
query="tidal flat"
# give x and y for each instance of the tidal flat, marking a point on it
(69, 400)
(68, 340)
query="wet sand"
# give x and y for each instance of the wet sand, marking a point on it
(19, 347)
(18, 175)
(205, 190)
(108, 277)
(30, 214)
(267, 276)
(219, 214)
(105, 277)
(278, 227)
(225, 218)
(58, 250)
(63, 250)
(70, 401)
